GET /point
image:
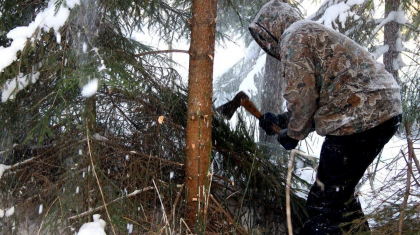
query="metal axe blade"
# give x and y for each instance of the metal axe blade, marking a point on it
(241, 99)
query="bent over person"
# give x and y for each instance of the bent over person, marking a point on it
(332, 85)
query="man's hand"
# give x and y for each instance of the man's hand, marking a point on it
(266, 122)
(286, 141)
(268, 119)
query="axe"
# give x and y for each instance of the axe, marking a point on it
(241, 99)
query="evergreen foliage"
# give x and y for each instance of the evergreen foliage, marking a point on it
(72, 156)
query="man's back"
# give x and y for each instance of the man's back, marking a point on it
(333, 79)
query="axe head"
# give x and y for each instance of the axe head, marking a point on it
(227, 110)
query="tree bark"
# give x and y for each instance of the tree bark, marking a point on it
(391, 32)
(199, 112)
(271, 95)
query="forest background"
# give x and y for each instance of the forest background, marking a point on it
(97, 107)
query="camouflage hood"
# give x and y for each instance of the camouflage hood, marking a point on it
(270, 23)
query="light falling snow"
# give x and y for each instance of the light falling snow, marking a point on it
(84, 47)
(90, 88)
(40, 209)
(130, 228)
(335, 15)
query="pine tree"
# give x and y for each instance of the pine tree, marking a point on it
(199, 113)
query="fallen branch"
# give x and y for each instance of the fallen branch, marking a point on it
(113, 201)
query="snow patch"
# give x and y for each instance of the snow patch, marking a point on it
(46, 19)
(340, 11)
(12, 86)
(397, 16)
(380, 50)
(3, 168)
(252, 51)
(248, 84)
(7, 213)
(93, 228)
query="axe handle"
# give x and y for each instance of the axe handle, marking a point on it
(251, 108)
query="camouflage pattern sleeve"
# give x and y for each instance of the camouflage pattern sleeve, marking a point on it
(301, 91)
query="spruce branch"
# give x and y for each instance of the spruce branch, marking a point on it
(161, 52)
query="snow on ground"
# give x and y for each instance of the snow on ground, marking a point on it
(372, 194)
(383, 188)
(7, 213)
(93, 228)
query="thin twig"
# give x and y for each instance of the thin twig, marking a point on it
(412, 173)
(163, 207)
(289, 178)
(97, 180)
(183, 222)
(240, 229)
(40, 227)
(162, 51)
(7, 168)
(246, 189)
(225, 179)
(106, 143)
(409, 165)
(206, 201)
(178, 196)
(115, 200)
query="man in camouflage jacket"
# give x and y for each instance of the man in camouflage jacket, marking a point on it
(334, 86)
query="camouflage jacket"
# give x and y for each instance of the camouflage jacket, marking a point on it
(330, 82)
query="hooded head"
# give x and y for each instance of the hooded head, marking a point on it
(270, 23)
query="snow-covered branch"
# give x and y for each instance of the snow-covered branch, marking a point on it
(47, 19)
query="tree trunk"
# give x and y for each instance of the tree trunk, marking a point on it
(199, 113)
(391, 33)
(272, 95)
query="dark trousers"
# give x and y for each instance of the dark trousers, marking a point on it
(332, 206)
